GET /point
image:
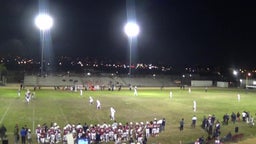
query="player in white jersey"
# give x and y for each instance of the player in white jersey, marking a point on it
(170, 94)
(81, 92)
(194, 106)
(19, 92)
(135, 91)
(90, 100)
(98, 104)
(189, 90)
(38, 133)
(112, 113)
(28, 97)
(28, 91)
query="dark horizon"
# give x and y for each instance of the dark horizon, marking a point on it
(177, 33)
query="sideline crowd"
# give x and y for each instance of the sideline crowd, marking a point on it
(131, 132)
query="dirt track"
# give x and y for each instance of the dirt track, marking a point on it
(248, 141)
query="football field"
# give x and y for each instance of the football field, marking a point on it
(69, 107)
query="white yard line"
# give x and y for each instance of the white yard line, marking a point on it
(6, 111)
(33, 119)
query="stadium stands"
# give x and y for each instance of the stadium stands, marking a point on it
(107, 81)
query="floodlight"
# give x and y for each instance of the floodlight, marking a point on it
(235, 72)
(131, 29)
(44, 22)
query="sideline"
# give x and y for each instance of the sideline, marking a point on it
(247, 141)
(33, 119)
(6, 111)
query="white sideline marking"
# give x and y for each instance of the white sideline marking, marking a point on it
(33, 119)
(6, 111)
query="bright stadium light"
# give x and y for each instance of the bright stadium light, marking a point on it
(44, 22)
(131, 29)
(247, 79)
(235, 72)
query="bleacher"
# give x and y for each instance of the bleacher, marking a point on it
(142, 81)
(64, 80)
(31, 80)
(51, 81)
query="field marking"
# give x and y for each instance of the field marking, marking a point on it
(33, 119)
(6, 111)
(62, 113)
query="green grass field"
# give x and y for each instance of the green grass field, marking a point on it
(65, 107)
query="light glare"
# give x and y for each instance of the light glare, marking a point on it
(44, 22)
(131, 29)
(235, 72)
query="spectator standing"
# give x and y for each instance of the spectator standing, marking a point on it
(247, 117)
(21, 86)
(26, 128)
(251, 121)
(194, 118)
(197, 141)
(23, 134)
(238, 116)
(85, 127)
(213, 119)
(16, 134)
(2, 131)
(97, 140)
(201, 140)
(225, 119)
(29, 137)
(233, 117)
(244, 115)
(217, 129)
(163, 124)
(182, 124)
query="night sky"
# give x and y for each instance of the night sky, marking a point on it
(173, 32)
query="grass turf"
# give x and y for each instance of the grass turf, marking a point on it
(65, 107)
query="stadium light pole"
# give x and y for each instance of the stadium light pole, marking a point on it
(247, 79)
(235, 73)
(44, 23)
(132, 30)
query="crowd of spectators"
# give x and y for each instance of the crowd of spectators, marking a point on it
(213, 127)
(129, 132)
